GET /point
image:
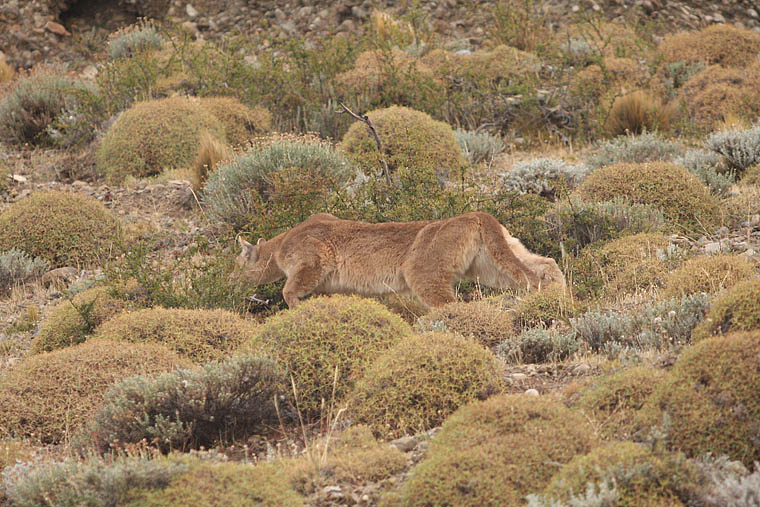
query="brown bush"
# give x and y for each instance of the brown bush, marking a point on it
(240, 122)
(48, 397)
(638, 112)
(736, 310)
(725, 45)
(707, 274)
(485, 321)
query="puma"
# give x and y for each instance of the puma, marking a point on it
(325, 255)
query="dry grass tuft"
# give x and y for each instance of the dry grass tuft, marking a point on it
(638, 112)
(6, 72)
(211, 152)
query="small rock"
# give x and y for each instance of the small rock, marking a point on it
(519, 376)
(191, 11)
(722, 231)
(712, 247)
(18, 178)
(59, 275)
(581, 369)
(332, 492)
(531, 392)
(191, 27)
(404, 444)
(56, 28)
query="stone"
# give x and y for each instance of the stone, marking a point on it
(519, 376)
(404, 444)
(59, 275)
(191, 11)
(56, 28)
(581, 369)
(531, 392)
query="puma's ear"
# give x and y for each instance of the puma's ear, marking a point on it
(260, 242)
(244, 244)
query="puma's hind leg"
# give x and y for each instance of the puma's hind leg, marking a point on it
(308, 271)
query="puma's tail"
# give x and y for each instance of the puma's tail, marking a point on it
(508, 254)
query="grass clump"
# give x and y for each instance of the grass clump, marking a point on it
(221, 402)
(410, 138)
(639, 476)
(707, 274)
(211, 152)
(544, 306)
(240, 122)
(199, 335)
(154, 136)
(75, 319)
(637, 113)
(548, 177)
(739, 148)
(736, 310)
(494, 452)
(214, 483)
(63, 228)
(35, 104)
(325, 333)
(6, 72)
(47, 397)
(683, 199)
(613, 400)
(487, 322)
(709, 403)
(16, 268)
(277, 186)
(726, 45)
(634, 149)
(420, 381)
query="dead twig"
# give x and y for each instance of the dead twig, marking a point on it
(364, 118)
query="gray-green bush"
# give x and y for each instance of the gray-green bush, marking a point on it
(479, 146)
(708, 167)
(645, 147)
(128, 42)
(538, 345)
(219, 402)
(740, 148)
(544, 176)
(16, 267)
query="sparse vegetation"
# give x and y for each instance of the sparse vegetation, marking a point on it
(633, 149)
(16, 268)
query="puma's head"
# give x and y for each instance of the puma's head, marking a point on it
(252, 266)
(549, 273)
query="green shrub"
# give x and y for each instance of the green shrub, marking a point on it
(210, 483)
(420, 381)
(325, 333)
(93, 481)
(16, 268)
(547, 177)
(74, 320)
(739, 148)
(633, 149)
(155, 136)
(538, 345)
(613, 400)
(709, 274)
(35, 104)
(629, 263)
(221, 402)
(485, 321)
(49, 396)
(133, 39)
(494, 452)
(199, 335)
(683, 199)
(727, 45)
(640, 476)
(479, 147)
(708, 167)
(240, 122)
(542, 307)
(410, 139)
(277, 186)
(576, 223)
(709, 403)
(62, 228)
(736, 310)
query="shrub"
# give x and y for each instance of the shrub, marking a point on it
(94, 481)
(736, 310)
(717, 93)
(646, 147)
(74, 320)
(325, 333)
(576, 223)
(709, 168)
(155, 136)
(420, 381)
(240, 122)
(200, 335)
(707, 274)
(211, 483)
(546, 305)
(740, 148)
(538, 345)
(612, 400)
(277, 186)
(660, 325)
(494, 452)
(218, 403)
(547, 177)
(62, 228)
(479, 147)
(640, 476)
(730, 482)
(133, 39)
(49, 396)
(684, 200)
(484, 321)
(410, 139)
(36, 103)
(629, 263)
(727, 45)
(709, 403)
(16, 268)
(353, 456)
(637, 113)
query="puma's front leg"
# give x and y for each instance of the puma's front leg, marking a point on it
(307, 273)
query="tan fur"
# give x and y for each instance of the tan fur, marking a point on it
(326, 255)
